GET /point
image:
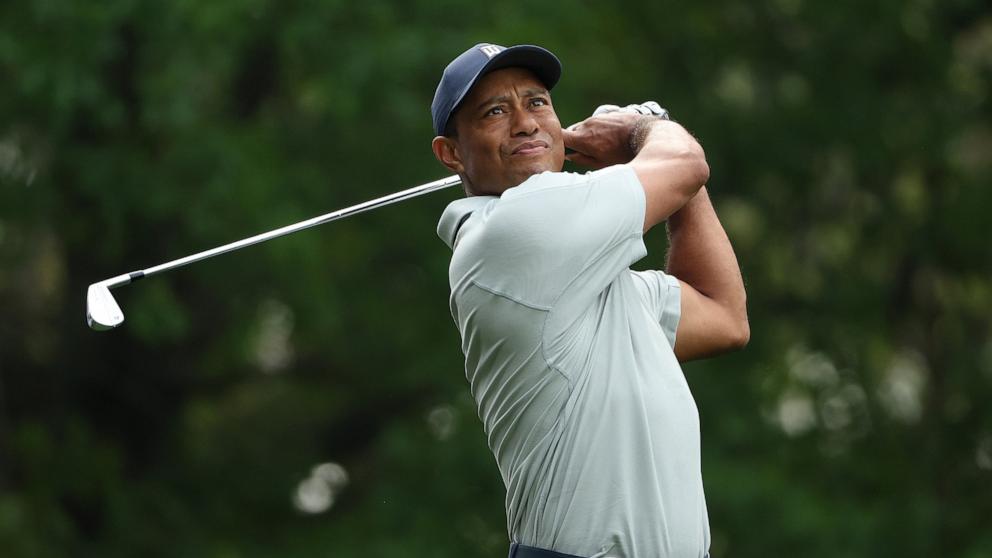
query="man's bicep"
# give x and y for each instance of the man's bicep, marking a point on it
(705, 328)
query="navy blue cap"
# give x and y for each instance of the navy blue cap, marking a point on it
(464, 71)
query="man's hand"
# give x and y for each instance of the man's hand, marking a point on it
(602, 140)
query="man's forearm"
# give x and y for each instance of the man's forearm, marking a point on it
(700, 254)
(670, 164)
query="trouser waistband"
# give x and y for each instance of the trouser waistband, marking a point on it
(523, 551)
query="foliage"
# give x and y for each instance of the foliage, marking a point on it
(850, 148)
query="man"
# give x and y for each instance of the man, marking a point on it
(573, 359)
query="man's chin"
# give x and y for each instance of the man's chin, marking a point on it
(518, 175)
(537, 167)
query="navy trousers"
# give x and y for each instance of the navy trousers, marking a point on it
(522, 551)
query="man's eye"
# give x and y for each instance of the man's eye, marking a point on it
(539, 102)
(495, 110)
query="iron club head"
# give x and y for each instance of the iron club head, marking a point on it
(102, 311)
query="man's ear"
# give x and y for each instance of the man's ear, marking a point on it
(446, 151)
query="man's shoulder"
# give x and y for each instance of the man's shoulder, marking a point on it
(535, 206)
(459, 211)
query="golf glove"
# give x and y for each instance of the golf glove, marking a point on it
(647, 108)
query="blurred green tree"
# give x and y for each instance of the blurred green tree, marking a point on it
(306, 397)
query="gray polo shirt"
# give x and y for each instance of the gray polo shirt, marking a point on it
(569, 355)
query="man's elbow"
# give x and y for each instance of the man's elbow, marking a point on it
(701, 169)
(736, 330)
(739, 336)
(696, 169)
(726, 338)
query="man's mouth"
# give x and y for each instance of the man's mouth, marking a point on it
(530, 148)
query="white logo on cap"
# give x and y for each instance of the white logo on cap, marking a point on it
(491, 50)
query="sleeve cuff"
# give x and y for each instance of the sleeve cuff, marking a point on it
(672, 309)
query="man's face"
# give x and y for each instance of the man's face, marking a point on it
(506, 131)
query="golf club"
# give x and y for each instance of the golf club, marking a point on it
(103, 312)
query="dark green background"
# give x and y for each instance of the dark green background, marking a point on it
(850, 146)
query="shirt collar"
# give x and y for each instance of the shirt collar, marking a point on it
(456, 214)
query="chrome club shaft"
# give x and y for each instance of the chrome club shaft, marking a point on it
(103, 312)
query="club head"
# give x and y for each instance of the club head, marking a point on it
(102, 311)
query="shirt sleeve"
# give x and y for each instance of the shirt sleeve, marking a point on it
(662, 295)
(560, 239)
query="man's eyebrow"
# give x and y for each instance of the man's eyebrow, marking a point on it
(533, 92)
(536, 92)
(494, 101)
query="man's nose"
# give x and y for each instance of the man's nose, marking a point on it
(524, 123)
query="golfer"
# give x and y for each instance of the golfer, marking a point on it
(572, 357)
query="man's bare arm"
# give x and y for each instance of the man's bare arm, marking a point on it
(714, 309)
(672, 168)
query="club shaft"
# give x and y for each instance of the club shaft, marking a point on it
(289, 229)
